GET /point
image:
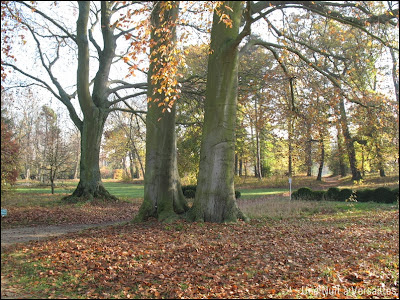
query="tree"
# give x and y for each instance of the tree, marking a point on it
(9, 153)
(215, 194)
(55, 151)
(163, 196)
(341, 21)
(53, 39)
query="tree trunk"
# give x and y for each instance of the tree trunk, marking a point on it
(258, 146)
(94, 107)
(342, 166)
(395, 78)
(163, 196)
(52, 179)
(78, 159)
(321, 163)
(90, 185)
(309, 150)
(131, 161)
(215, 195)
(290, 146)
(356, 174)
(380, 160)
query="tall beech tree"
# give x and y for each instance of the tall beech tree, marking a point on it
(163, 196)
(215, 194)
(94, 93)
(214, 197)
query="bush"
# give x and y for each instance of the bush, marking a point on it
(237, 194)
(396, 193)
(380, 195)
(318, 195)
(365, 195)
(189, 191)
(307, 194)
(384, 195)
(304, 193)
(345, 194)
(188, 187)
(332, 194)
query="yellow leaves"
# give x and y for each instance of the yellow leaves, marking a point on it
(226, 19)
(228, 8)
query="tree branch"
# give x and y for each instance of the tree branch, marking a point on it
(110, 103)
(35, 10)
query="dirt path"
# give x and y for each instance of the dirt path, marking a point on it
(331, 181)
(35, 233)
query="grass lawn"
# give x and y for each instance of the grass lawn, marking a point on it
(119, 189)
(41, 195)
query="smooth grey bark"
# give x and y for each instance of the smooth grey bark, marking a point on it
(215, 195)
(290, 144)
(94, 107)
(395, 78)
(309, 149)
(356, 174)
(322, 158)
(342, 167)
(163, 196)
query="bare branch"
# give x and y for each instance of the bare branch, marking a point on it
(110, 103)
(62, 28)
(125, 85)
(325, 73)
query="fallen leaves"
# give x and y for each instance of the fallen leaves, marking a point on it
(87, 213)
(262, 259)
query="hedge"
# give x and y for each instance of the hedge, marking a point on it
(379, 195)
(189, 191)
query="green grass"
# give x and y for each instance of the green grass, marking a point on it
(250, 188)
(119, 189)
(125, 190)
(253, 193)
(275, 206)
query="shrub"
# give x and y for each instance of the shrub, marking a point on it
(344, 194)
(318, 195)
(304, 193)
(237, 194)
(384, 195)
(332, 194)
(365, 195)
(188, 187)
(396, 193)
(380, 195)
(189, 193)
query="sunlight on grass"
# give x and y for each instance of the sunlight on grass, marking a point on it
(276, 207)
(250, 193)
(281, 207)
